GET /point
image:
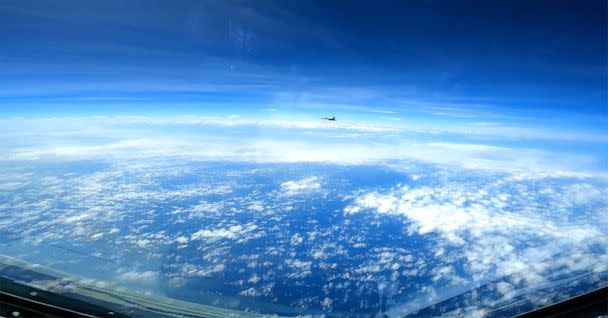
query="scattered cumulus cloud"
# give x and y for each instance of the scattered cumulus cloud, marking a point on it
(149, 276)
(232, 232)
(493, 224)
(295, 187)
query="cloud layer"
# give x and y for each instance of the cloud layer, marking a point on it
(247, 140)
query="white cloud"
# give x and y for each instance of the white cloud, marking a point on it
(250, 292)
(191, 270)
(146, 276)
(254, 279)
(522, 163)
(297, 239)
(143, 137)
(232, 232)
(203, 208)
(305, 185)
(110, 125)
(519, 235)
(182, 240)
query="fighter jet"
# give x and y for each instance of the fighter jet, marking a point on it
(327, 118)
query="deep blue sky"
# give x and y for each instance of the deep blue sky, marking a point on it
(506, 57)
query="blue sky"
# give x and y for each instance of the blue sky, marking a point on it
(501, 73)
(511, 57)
